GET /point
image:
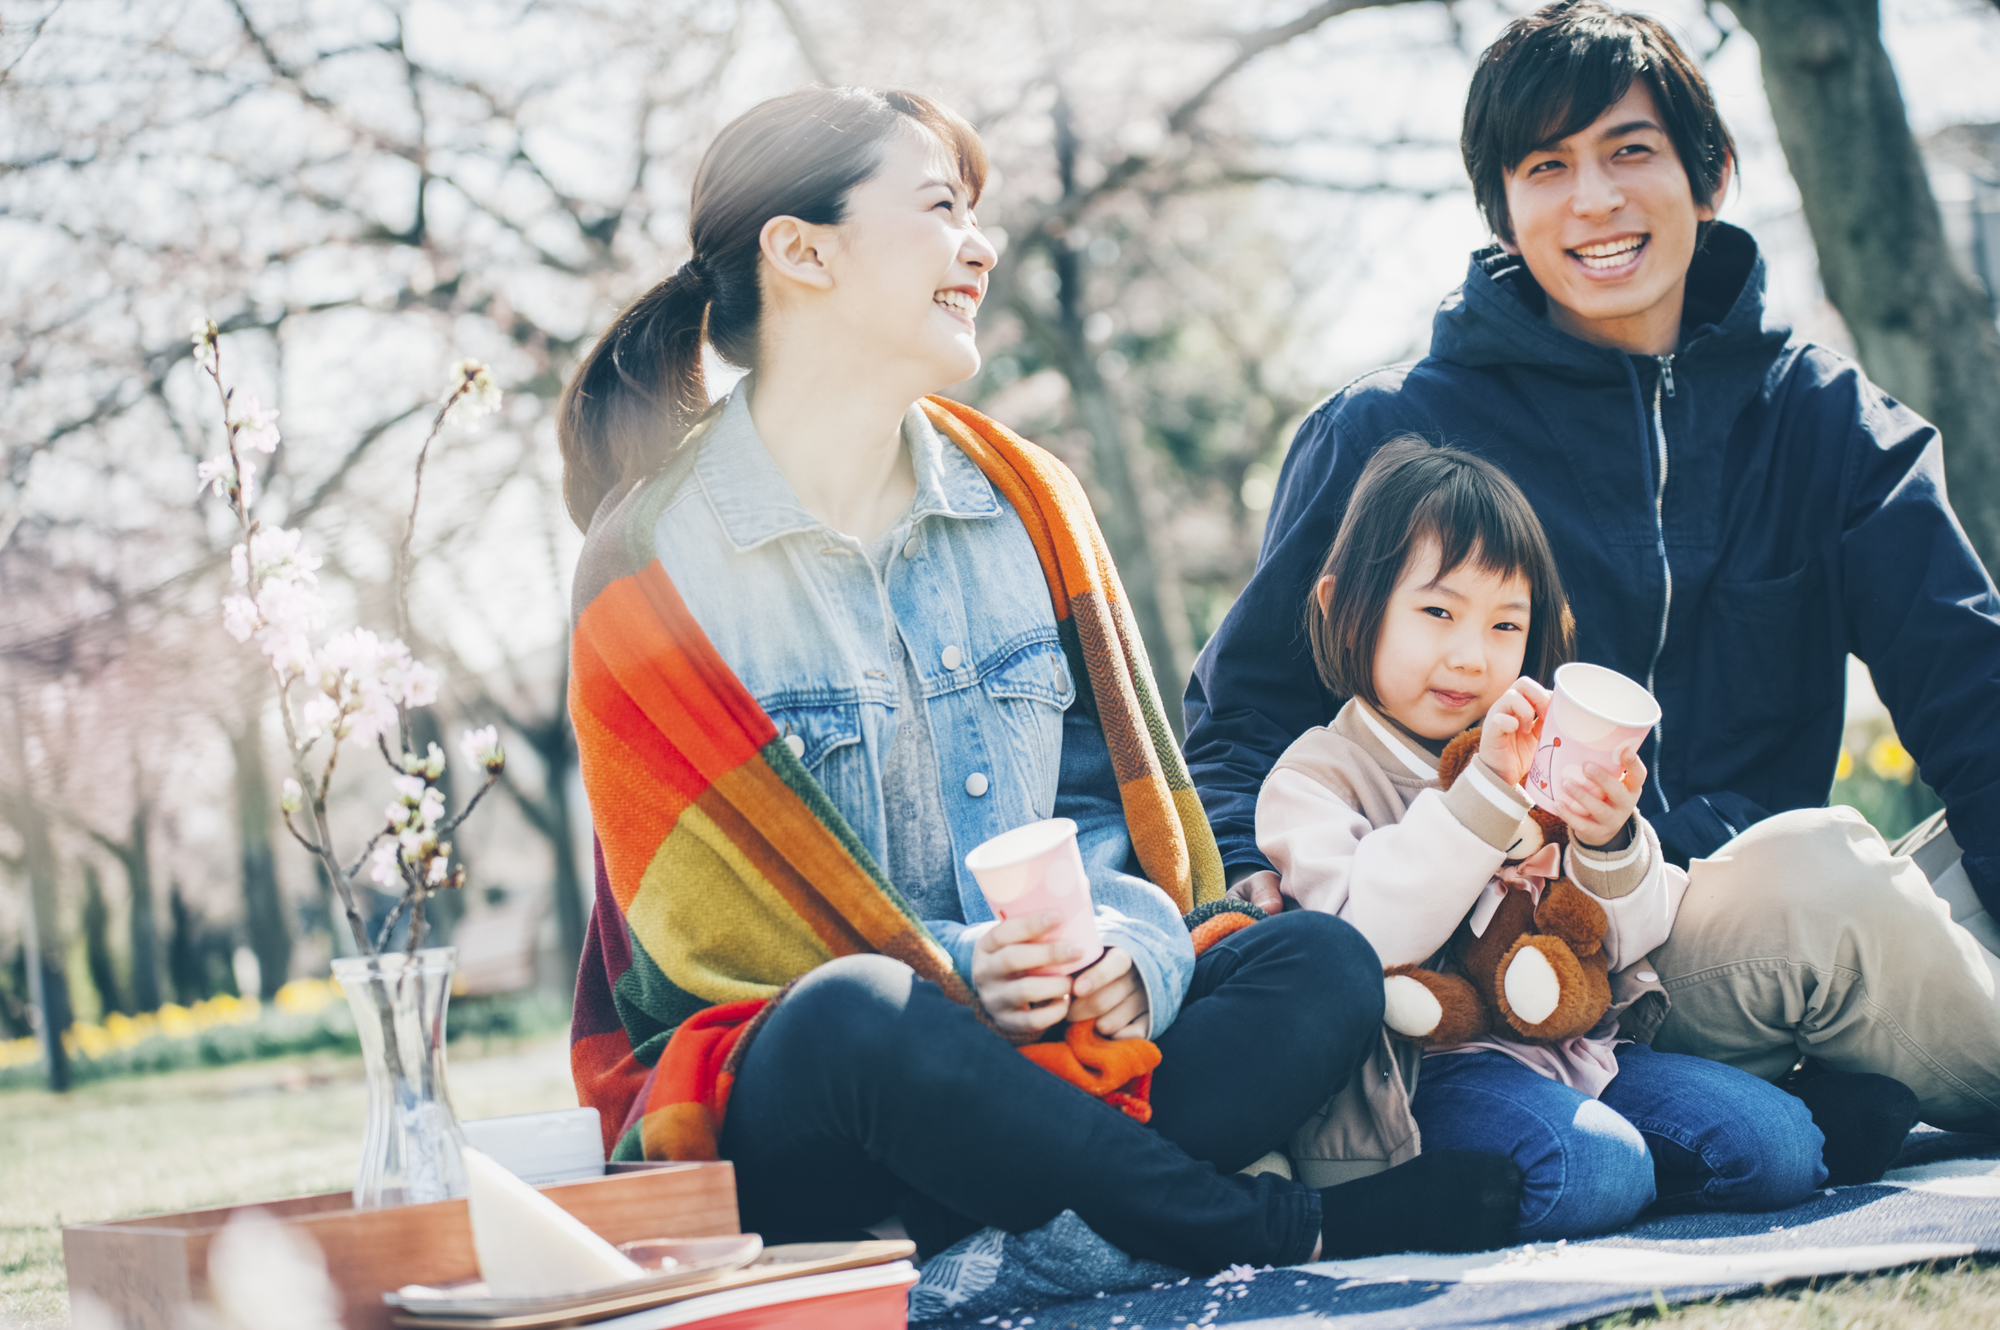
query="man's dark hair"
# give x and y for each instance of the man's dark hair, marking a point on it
(1413, 490)
(1552, 72)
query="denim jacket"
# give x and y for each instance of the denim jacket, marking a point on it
(814, 632)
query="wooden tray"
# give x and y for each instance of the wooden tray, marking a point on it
(784, 1262)
(146, 1270)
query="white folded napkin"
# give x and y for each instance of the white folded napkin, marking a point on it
(530, 1247)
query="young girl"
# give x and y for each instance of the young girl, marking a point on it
(1439, 588)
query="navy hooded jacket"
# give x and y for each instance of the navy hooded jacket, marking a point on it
(1791, 513)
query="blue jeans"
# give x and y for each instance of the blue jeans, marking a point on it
(1683, 1131)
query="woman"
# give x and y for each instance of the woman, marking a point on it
(830, 636)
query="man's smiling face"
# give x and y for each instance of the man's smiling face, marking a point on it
(1606, 221)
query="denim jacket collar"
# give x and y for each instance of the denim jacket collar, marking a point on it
(755, 503)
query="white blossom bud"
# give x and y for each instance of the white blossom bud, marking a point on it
(477, 394)
(291, 798)
(481, 748)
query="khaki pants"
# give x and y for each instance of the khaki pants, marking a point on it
(1808, 934)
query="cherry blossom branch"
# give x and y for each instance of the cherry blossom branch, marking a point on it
(360, 686)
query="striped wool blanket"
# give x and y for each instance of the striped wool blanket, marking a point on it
(724, 872)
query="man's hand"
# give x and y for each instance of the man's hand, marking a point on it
(1261, 890)
(1023, 1005)
(1513, 729)
(1110, 993)
(1598, 805)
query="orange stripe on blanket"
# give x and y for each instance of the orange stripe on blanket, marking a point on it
(690, 1090)
(632, 809)
(1083, 557)
(741, 716)
(655, 667)
(1004, 478)
(746, 828)
(597, 686)
(818, 862)
(1118, 1071)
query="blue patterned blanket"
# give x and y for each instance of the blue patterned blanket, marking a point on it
(1942, 1201)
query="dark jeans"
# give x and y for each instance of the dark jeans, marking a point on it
(870, 1093)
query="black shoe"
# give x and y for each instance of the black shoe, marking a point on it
(1863, 1116)
(1442, 1201)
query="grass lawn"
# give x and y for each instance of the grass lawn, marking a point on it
(265, 1129)
(183, 1140)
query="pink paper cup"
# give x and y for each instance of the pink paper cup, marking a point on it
(1595, 714)
(1035, 868)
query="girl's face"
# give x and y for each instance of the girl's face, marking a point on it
(909, 264)
(1450, 645)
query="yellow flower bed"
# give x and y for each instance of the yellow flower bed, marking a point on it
(118, 1032)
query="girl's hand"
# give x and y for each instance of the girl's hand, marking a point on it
(1598, 804)
(1109, 992)
(1023, 1005)
(1513, 728)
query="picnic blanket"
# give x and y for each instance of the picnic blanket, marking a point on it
(724, 872)
(1942, 1201)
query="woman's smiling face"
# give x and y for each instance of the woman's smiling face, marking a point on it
(909, 263)
(1606, 221)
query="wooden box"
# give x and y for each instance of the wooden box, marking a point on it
(146, 1270)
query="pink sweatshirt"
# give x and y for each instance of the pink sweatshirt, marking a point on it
(1354, 821)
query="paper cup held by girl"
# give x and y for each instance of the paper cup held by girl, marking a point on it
(1595, 715)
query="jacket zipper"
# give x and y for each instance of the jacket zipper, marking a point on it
(1664, 386)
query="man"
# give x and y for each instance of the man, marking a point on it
(1733, 510)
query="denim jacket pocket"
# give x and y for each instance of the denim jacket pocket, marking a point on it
(1030, 688)
(821, 728)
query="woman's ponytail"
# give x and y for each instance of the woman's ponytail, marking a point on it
(636, 395)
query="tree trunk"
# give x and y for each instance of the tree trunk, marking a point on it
(1923, 332)
(184, 957)
(97, 945)
(263, 904)
(48, 986)
(548, 812)
(144, 925)
(1152, 591)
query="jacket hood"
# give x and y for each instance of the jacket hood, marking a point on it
(1500, 315)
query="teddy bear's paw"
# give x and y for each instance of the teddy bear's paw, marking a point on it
(1408, 1008)
(1437, 1010)
(1547, 994)
(1532, 987)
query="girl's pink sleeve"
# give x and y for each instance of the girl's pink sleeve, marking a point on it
(1406, 886)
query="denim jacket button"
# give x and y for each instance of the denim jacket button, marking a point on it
(796, 744)
(910, 548)
(975, 784)
(953, 657)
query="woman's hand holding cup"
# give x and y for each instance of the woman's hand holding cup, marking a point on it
(1023, 1004)
(1110, 994)
(1513, 729)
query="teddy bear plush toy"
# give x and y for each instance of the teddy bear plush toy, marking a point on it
(1534, 970)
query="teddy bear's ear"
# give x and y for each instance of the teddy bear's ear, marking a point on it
(1457, 756)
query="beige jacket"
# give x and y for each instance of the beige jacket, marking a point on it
(1353, 819)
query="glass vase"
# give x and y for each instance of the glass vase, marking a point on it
(410, 1153)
